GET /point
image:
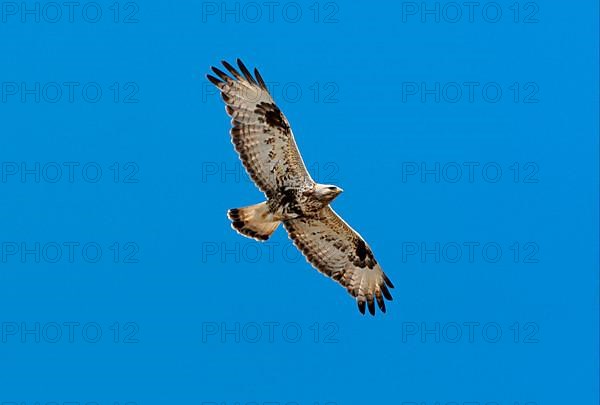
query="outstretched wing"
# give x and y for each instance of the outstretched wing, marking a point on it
(260, 132)
(339, 252)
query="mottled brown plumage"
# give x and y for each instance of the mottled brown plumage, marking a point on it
(264, 141)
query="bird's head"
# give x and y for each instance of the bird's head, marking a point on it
(326, 192)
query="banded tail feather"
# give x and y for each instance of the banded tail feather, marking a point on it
(255, 221)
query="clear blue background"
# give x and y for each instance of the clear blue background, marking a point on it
(177, 133)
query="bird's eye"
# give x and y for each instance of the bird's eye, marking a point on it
(331, 188)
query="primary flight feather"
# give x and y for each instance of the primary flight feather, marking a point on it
(264, 141)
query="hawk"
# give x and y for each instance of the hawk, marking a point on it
(264, 141)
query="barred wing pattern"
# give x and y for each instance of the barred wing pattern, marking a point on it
(264, 141)
(260, 132)
(339, 252)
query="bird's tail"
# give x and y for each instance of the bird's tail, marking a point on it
(255, 221)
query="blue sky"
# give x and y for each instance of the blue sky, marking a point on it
(465, 139)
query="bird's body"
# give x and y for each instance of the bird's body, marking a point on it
(264, 141)
(292, 203)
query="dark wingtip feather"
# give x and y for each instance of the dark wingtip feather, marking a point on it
(380, 303)
(222, 75)
(245, 71)
(371, 306)
(361, 307)
(261, 82)
(387, 281)
(386, 292)
(214, 80)
(231, 69)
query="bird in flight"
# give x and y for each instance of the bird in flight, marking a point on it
(264, 141)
